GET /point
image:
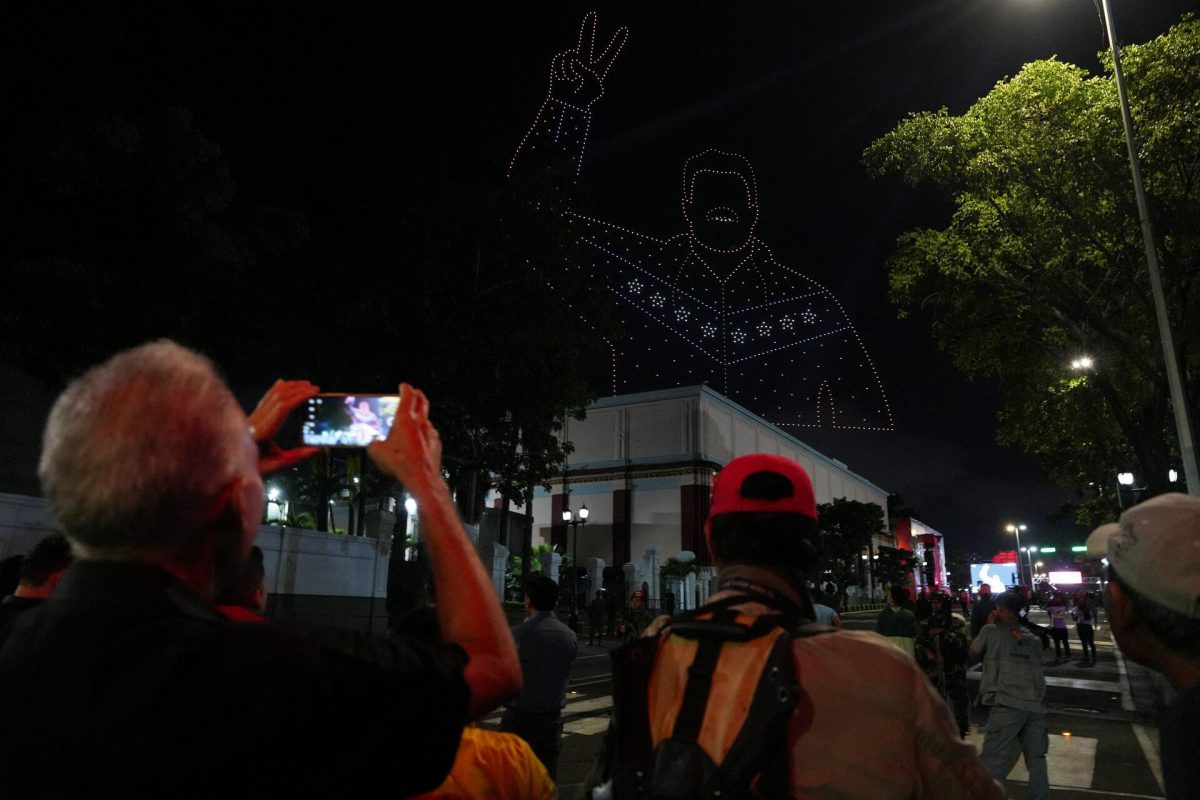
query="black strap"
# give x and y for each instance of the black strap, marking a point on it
(699, 683)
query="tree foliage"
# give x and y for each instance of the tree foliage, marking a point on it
(1042, 259)
(845, 528)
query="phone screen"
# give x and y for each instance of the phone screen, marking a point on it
(349, 420)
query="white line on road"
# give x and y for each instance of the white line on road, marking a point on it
(1112, 687)
(1127, 687)
(1148, 738)
(593, 680)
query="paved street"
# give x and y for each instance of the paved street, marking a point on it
(1102, 721)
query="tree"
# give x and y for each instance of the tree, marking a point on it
(1042, 259)
(845, 528)
(894, 566)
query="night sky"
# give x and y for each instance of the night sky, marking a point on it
(311, 104)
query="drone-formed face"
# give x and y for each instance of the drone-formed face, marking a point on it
(719, 200)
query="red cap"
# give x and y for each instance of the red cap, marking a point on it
(728, 497)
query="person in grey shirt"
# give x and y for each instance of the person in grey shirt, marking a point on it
(546, 648)
(1014, 688)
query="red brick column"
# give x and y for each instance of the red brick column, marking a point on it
(622, 527)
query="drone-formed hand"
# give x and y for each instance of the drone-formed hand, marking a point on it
(577, 75)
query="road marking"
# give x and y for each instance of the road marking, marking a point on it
(1070, 761)
(578, 705)
(1111, 687)
(587, 726)
(582, 706)
(1104, 793)
(593, 680)
(1148, 738)
(1127, 686)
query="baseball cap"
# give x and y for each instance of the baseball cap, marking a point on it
(729, 494)
(1155, 549)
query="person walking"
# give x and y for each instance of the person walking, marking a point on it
(941, 650)
(982, 609)
(1082, 614)
(1014, 690)
(1057, 609)
(896, 622)
(547, 648)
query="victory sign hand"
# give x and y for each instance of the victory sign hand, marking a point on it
(577, 75)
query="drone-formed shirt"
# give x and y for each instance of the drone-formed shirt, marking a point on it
(755, 330)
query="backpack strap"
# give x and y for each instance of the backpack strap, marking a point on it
(700, 674)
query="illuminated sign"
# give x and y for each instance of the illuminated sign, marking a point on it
(1046, 550)
(998, 576)
(1067, 578)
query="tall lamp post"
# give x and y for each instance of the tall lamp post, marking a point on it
(1183, 426)
(1012, 528)
(567, 516)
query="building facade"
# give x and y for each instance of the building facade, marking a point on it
(643, 465)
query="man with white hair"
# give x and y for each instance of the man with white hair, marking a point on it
(129, 682)
(1153, 605)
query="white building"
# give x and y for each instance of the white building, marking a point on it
(644, 463)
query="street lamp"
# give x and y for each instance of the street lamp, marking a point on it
(275, 505)
(1082, 364)
(575, 523)
(1014, 528)
(1183, 428)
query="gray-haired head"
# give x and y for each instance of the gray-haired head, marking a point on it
(139, 454)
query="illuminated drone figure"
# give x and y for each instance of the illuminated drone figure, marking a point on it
(710, 304)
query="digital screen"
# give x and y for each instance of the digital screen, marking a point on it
(1068, 578)
(349, 420)
(998, 576)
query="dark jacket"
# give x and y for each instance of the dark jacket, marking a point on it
(128, 684)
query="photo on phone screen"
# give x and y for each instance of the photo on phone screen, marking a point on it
(349, 420)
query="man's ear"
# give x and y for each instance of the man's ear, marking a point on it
(245, 502)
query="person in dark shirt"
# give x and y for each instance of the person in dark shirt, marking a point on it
(130, 683)
(41, 570)
(547, 649)
(982, 609)
(243, 595)
(1153, 605)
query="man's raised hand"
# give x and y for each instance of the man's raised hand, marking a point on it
(268, 417)
(412, 452)
(577, 75)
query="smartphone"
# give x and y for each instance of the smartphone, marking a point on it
(348, 420)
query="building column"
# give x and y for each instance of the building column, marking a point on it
(694, 500)
(622, 526)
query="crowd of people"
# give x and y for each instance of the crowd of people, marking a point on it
(134, 655)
